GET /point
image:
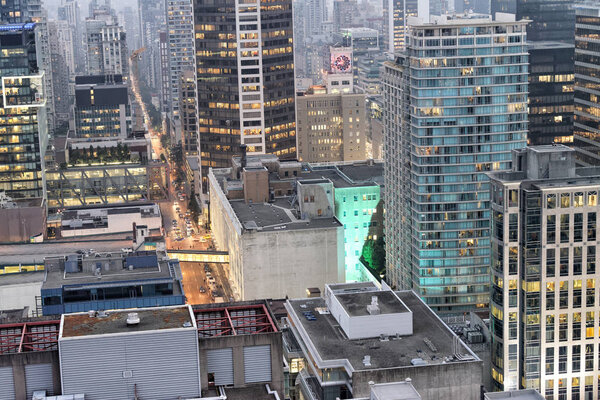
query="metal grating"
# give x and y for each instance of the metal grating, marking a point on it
(29, 336)
(235, 320)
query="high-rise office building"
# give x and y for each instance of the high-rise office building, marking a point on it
(331, 126)
(586, 130)
(63, 68)
(448, 120)
(551, 83)
(180, 36)
(188, 100)
(23, 129)
(344, 12)
(152, 21)
(69, 11)
(395, 15)
(164, 73)
(106, 48)
(550, 19)
(245, 79)
(544, 299)
(102, 108)
(21, 12)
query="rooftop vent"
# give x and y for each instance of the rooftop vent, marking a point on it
(373, 308)
(367, 361)
(91, 313)
(133, 319)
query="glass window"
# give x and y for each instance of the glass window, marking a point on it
(551, 201)
(578, 199)
(565, 200)
(592, 198)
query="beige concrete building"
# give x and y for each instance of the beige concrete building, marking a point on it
(331, 127)
(277, 225)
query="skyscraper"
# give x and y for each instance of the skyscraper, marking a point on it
(395, 14)
(586, 131)
(448, 120)
(106, 48)
(245, 79)
(544, 299)
(551, 83)
(551, 19)
(180, 31)
(23, 130)
(152, 20)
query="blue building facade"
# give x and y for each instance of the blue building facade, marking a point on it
(456, 105)
(107, 293)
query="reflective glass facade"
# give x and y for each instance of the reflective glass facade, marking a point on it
(551, 94)
(245, 72)
(550, 19)
(586, 131)
(460, 110)
(23, 132)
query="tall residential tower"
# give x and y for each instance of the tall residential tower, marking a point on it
(455, 107)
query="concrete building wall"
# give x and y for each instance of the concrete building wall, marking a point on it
(286, 262)
(22, 223)
(331, 127)
(117, 223)
(237, 343)
(18, 361)
(20, 295)
(461, 380)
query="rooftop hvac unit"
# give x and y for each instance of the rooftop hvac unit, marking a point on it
(133, 319)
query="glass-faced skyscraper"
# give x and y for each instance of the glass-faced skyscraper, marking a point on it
(550, 19)
(455, 107)
(23, 129)
(395, 15)
(245, 71)
(586, 129)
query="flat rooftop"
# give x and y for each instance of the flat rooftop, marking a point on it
(332, 344)
(81, 324)
(276, 216)
(349, 175)
(56, 277)
(528, 394)
(395, 391)
(354, 303)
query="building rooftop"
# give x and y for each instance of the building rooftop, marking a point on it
(20, 278)
(394, 391)
(160, 271)
(22, 337)
(276, 216)
(432, 341)
(115, 321)
(527, 394)
(354, 303)
(345, 175)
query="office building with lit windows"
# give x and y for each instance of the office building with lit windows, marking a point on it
(544, 300)
(102, 107)
(455, 106)
(245, 79)
(586, 130)
(23, 123)
(180, 47)
(395, 25)
(551, 94)
(331, 126)
(550, 19)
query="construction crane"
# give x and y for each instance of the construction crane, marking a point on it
(136, 55)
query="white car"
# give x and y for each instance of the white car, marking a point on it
(127, 250)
